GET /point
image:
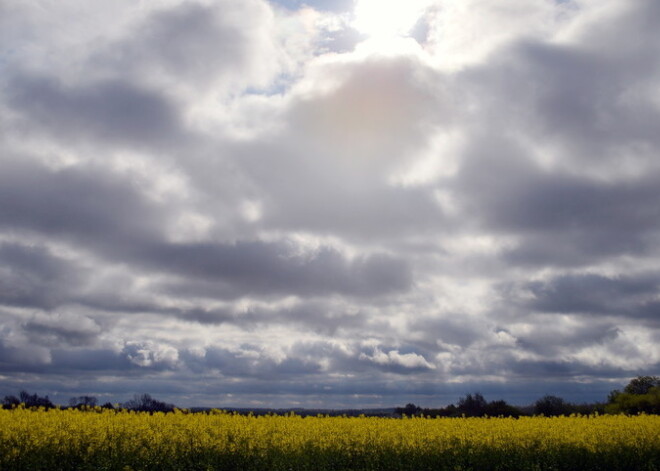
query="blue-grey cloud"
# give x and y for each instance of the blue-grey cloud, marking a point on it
(112, 111)
(598, 295)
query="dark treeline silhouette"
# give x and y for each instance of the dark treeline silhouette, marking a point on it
(641, 395)
(140, 403)
(28, 400)
(83, 401)
(472, 405)
(553, 406)
(146, 403)
(87, 402)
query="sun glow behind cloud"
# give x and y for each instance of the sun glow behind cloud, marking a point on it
(384, 21)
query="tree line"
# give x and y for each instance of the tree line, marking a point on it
(641, 395)
(139, 403)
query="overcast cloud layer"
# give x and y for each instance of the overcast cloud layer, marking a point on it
(243, 203)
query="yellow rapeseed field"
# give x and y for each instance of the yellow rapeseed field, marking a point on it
(101, 439)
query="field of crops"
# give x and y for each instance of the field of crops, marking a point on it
(108, 440)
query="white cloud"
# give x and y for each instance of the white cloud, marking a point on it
(393, 357)
(151, 354)
(465, 32)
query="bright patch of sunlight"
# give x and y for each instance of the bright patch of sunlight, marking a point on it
(383, 20)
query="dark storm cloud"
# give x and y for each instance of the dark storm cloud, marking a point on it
(61, 331)
(18, 359)
(587, 100)
(31, 276)
(567, 369)
(268, 268)
(111, 217)
(548, 365)
(319, 316)
(625, 296)
(550, 341)
(394, 362)
(89, 360)
(583, 96)
(138, 359)
(563, 219)
(114, 111)
(191, 43)
(450, 329)
(250, 362)
(85, 204)
(571, 121)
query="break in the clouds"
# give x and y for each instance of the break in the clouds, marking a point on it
(343, 203)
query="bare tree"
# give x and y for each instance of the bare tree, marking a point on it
(83, 401)
(146, 403)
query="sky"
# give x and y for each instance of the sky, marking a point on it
(329, 204)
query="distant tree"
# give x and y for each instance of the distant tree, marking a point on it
(641, 395)
(146, 403)
(624, 403)
(501, 408)
(410, 410)
(588, 408)
(473, 405)
(34, 400)
(642, 384)
(9, 402)
(551, 406)
(108, 405)
(611, 397)
(83, 401)
(450, 411)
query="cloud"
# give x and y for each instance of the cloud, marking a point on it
(631, 296)
(321, 316)
(62, 328)
(394, 359)
(250, 203)
(84, 204)
(33, 277)
(463, 34)
(21, 358)
(114, 111)
(343, 144)
(198, 44)
(586, 218)
(150, 355)
(260, 268)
